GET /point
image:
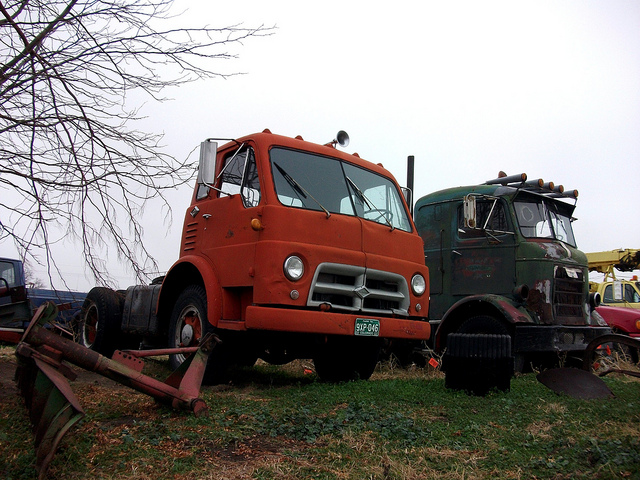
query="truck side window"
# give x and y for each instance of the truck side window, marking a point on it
(608, 294)
(8, 273)
(630, 295)
(241, 176)
(616, 292)
(496, 224)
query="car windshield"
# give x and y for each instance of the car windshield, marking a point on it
(545, 218)
(314, 182)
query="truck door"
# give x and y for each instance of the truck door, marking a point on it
(12, 285)
(483, 258)
(227, 237)
(434, 225)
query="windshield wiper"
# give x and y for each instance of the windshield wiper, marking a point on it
(363, 198)
(299, 189)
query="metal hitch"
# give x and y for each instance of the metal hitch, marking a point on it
(43, 378)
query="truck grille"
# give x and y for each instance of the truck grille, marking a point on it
(359, 289)
(568, 297)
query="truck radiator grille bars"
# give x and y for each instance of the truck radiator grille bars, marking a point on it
(568, 293)
(358, 289)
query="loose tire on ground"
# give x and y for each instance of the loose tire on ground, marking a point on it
(98, 327)
(488, 325)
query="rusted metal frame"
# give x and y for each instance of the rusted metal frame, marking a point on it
(610, 338)
(53, 408)
(631, 373)
(182, 391)
(160, 351)
(52, 405)
(11, 335)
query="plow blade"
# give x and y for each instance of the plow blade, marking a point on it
(53, 407)
(576, 383)
(583, 384)
(42, 375)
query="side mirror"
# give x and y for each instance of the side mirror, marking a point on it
(470, 211)
(408, 197)
(207, 163)
(618, 291)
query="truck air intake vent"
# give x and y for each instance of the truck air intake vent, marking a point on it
(190, 232)
(568, 296)
(358, 289)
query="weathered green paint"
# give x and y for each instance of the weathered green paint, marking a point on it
(478, 271)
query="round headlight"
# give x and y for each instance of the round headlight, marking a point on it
(418, 284)
(293, 268)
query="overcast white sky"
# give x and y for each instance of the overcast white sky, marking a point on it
(550, 88)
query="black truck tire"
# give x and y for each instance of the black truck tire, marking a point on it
(483, 324)
(100, 318)
(488, 325)
(189, 323)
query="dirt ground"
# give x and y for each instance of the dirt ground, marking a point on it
(7, 372)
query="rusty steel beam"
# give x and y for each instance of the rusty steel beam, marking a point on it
(160, 351)
(180, 391)
(53, 407)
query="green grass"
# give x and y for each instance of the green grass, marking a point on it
(282, 423)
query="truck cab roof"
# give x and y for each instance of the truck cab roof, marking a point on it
(266, 140)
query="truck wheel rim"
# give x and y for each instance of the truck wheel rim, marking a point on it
(189, 329)
(90, 326)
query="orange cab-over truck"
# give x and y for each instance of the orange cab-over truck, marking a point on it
(289, 250)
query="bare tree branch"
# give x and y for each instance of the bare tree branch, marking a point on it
(68, 151)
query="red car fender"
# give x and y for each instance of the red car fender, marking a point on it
(622, 320)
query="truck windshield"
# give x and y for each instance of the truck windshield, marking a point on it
(544, 218)
(314, 182)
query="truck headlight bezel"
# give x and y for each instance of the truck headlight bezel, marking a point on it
(293, 268)
(418, 285)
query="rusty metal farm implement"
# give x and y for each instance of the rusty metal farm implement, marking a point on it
(43, 375)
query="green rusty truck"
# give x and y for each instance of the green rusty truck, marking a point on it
(503, 260)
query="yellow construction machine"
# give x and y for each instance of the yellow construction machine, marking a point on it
(615, 292)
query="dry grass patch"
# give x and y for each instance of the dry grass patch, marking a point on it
(541, 429)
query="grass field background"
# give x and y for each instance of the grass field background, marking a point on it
(282, 422)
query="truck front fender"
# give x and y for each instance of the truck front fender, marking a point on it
(190, 270)
(497, 306)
